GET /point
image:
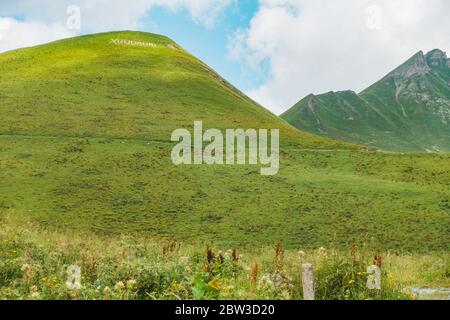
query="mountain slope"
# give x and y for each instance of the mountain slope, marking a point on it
(408, 110)
(84, 147)
(124, 85)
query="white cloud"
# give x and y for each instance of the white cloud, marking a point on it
(15, 34)
(101, 15)
(204, 12)
(45, 20)
(315, 46)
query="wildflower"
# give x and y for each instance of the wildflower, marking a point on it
(25, 267)
(119, 286)
(285, 295)
(107, 292)
(254, 276)
(215, 283)
(34, 292)
(279, 257)
(277, 279)
(266, 281)
(174, 285)
(234, 255)
(378, 260)
(131, 284)
(210, 257)
(27, 270)
(184, 260)
(353, 249)
(352, 281)
(73, 295)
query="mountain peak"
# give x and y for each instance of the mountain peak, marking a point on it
(416, 65)
(407, 110)
(437, 58)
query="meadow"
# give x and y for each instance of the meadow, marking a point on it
(86, 178)
(126, 187)
(34, 265)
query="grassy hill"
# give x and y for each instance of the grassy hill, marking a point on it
(84, 147)
(129, 85)
(408, 110)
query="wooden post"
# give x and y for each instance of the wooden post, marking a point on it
(374, 278)
(308, 281)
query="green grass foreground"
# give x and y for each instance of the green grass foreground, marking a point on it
(34, 262)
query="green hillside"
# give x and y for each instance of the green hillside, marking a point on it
(84, 147)
(107, 86)
(408, 110)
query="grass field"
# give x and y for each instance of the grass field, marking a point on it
(85, 157)
(34, 264)
(319, 198)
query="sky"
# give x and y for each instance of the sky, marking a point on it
(276, 51)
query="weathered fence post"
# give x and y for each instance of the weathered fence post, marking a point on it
(374, 277)
(308, 281)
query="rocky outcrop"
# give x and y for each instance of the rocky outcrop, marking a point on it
(437, 58)
(417, 65)
(408, 110)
